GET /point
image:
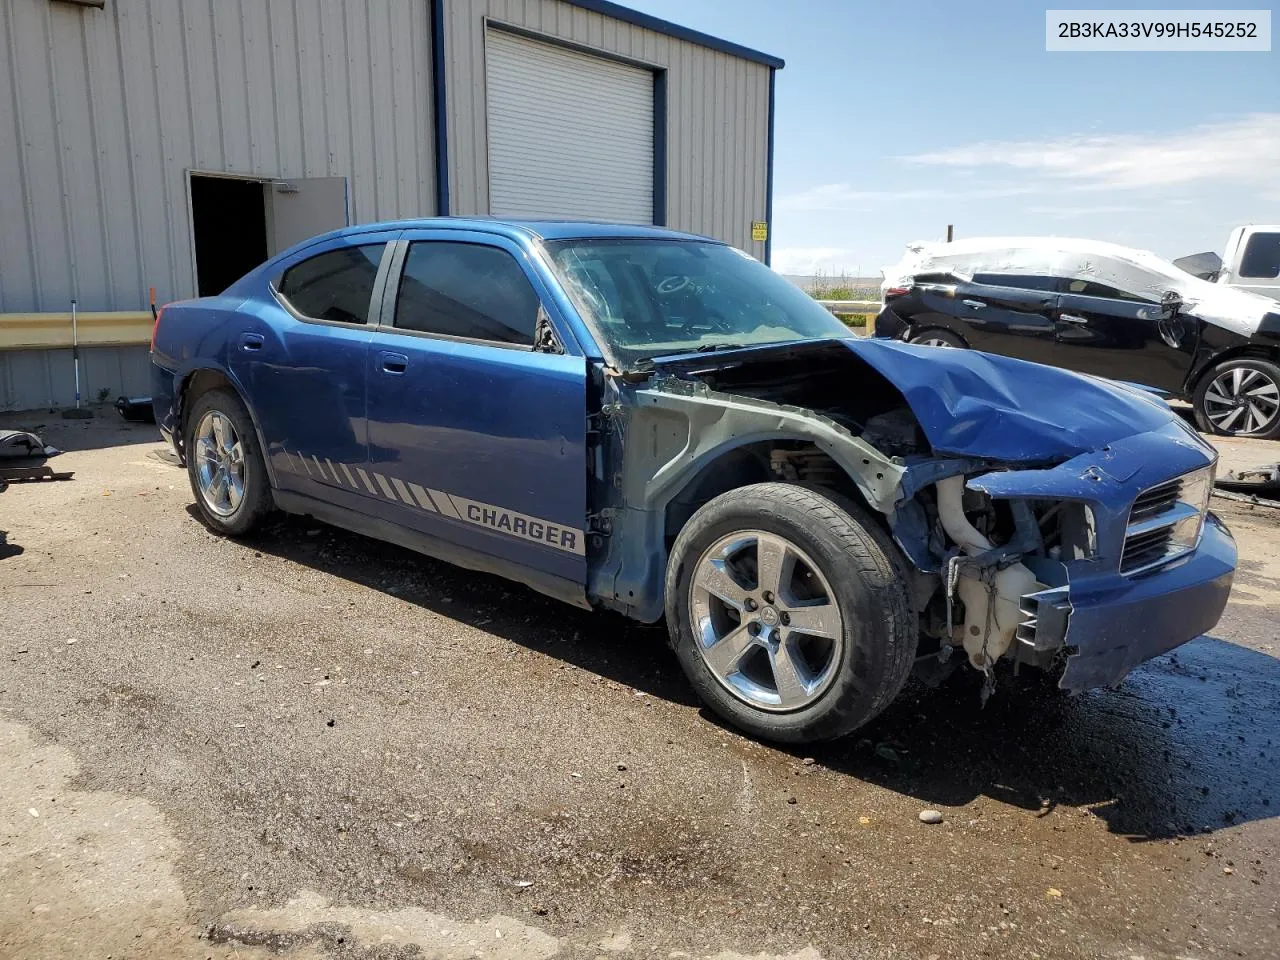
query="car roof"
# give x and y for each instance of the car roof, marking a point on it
(518, 229)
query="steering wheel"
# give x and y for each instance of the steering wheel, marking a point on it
(673, 284)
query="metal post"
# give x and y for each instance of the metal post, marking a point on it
(77, 413)
(950, 232)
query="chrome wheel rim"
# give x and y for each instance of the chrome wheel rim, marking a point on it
(932, 342)
(219, 463)
(766, 621)
(1242, 401)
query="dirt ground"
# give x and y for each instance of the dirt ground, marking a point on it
(312, 745)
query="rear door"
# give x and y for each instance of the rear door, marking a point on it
(301, 354)
(1011, 321)
(1125, 339)
(474, 437)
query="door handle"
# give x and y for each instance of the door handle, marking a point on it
(1071, 318)
(394, 363)
(974, 304)
(251, 341)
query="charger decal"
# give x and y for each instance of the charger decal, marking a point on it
(416, 497)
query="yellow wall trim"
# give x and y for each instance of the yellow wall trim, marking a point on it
(51, 331)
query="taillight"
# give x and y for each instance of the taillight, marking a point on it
(895, 292)
(155, 328)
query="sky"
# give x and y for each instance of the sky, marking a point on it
(896, 119)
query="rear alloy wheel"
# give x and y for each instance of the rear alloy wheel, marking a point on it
(937, 338)
(1240, 398)
(228, 476)
(789, 611)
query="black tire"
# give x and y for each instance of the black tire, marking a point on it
(869, 585)
(256, 501)
(1258, 374)
(936, 336)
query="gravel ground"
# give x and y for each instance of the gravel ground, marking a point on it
(309, 744)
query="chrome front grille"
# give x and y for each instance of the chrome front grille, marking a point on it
(1165, 521)
(1143, 549)
(1155, 501)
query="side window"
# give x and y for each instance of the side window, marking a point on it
(1019, 281)
(1261, 260)
(466, 290)
(1088, 288)
(336, 285)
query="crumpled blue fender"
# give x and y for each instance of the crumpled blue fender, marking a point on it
(973, 404)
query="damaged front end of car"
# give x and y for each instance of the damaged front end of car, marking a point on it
(1047, 519)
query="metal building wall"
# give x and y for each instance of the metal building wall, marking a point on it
(114, 105)
(102, 112)
(717, 112)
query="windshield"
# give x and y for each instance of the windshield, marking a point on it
(648, 297)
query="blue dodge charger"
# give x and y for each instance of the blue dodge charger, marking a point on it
(642, 420)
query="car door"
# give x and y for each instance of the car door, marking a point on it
(1124, 339)
(475, 437)
(1008, 320)
(301, 355)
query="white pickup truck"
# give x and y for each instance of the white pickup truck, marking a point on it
(1250, 262)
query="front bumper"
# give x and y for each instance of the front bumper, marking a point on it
(1115, 624)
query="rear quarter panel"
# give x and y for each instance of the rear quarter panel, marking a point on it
(192, 335)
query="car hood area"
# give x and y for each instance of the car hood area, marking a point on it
(966, 403)
(975, 404)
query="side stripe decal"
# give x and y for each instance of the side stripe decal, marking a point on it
(444, 504)
(386, 487)
(423, 498)
(403, 491)
(493, 518)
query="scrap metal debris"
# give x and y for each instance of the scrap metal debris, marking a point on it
(1257, 485)
(23, 457)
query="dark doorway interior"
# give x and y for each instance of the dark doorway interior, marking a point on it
(230, 227)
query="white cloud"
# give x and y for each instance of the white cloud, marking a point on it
(845, 197)
(1243, 150)
(1066, 212)
(828, 261)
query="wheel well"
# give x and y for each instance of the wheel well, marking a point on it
(789, 461)
(195, 383)
(915, 331)
(1242, 352)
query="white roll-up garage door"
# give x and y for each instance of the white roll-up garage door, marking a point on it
(570, 135)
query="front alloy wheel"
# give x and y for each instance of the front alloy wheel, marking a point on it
(790, 611)
(766, 620)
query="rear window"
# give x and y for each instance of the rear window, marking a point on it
(335, 286)
(1261, 260)
(1087, 288)
(1019, 281)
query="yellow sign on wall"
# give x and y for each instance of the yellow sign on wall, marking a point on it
(759, 230)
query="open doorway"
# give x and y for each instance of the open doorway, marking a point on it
(229, 228)
(238, 222)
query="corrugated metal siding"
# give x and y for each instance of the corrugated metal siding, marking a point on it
(31, 379)
(103, 111)
(717, 113)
